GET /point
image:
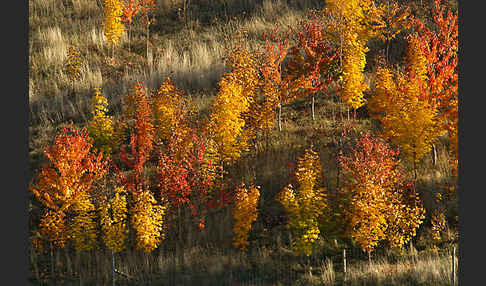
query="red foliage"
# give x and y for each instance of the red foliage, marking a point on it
(141, 141)
(312, 61)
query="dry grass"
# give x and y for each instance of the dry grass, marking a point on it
(190, 50)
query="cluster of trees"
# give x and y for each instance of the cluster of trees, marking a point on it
(138, 173)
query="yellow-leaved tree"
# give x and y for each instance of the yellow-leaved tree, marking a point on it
(113, 212)
(72, 65)
(409, 118)
(101, 127)
(148, 221)
(377, 202)
(84, 228)
(226, 127)
(245, 213)
(305, 204)
(112, 24)
(354, 26)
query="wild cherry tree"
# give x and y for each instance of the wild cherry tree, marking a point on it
(377, 202)
(408, 116)
(312, 61)
(64, 185)
(147, 215)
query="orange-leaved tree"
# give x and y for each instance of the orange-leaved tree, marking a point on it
(377, 202)
(64, 186)
(409, 117)
(130, 9)
(259, 119)
(440, 48)
(312, 61)
(147, 215)
(244, 213)
(305, 204)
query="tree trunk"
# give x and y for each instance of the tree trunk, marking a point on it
(280, 117)
(369, 259)
(414, 168)
(313, 108)
(128, 34)
(434, 156)
(112, 268)
(147, 40)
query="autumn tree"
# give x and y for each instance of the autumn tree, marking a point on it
(73, 64)
(440, 49)
(391, 20)
(130, 9)
(312, 62)
(113, 213)
(355, 25)
(377, 202)
(147, 215)
(226, 127)
(170, 110)
(101, 126)
(408, 116)
(64, 186)
(244, 213)
(112, 24)
(305, 204)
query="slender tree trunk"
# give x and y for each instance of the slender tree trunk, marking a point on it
(414, 168)
(369, 259)
(313, 108)
(128, 32)
(434, 156)
(52, 262)
(344, 264)
(280, 117)
(147, 40)
(112, 268)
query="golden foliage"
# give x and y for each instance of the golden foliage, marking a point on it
(355, 26)
(245, 213)
(378, 204)
(53, 228)
(73, 63)
(306, 204)
(408, 117)
(226, 123)
(113, 219)
(147, 220)
(112, 25)
(84, 231)
(170, 111)
(101, 127)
